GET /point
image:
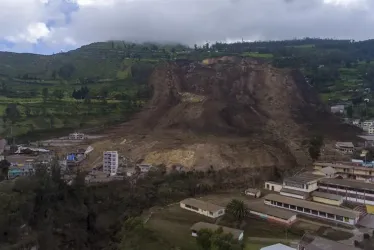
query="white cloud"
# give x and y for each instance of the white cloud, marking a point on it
(32, 34)
(185, 21)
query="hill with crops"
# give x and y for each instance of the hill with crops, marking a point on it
(110, 79)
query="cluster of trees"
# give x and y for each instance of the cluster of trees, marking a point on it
(81, 93)
(45, 211)
(314, 147)
(217, 240)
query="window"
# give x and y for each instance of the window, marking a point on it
(346, 219)
(339, 218)
(330, 216)
(286, 205)
(307, 210)
(299, 209)
(279, 204)
(272, 202)
(322, 214)
(191, 207)
(314, 212)
(293, 207)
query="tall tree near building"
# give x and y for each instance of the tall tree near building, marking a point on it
(217, 240)
(315, 145)
(4, 167)
(350, 111)
(237, 209)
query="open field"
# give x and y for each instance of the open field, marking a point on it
(173, 223)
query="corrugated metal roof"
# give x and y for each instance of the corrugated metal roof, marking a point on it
(334, 197)
(260, 207)
(303, 178)
(313, 206)
(297, 192)
(349, 183)
(202, 205)
(203, 225)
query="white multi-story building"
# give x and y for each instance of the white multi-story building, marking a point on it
(371, 130)
(110, 162)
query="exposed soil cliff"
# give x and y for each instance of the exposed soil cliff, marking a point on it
(226, 112)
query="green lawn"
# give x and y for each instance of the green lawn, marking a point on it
(258, 55)
(255, 246)
(173, 224)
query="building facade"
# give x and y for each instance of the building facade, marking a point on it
(77, 136)
(350, 190)
(345, 147)
(331, 213)
(110, 162)
(349, 171)
(273, 186)
(201, 207)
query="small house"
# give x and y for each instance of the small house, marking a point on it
(328, 172)
(253, 192)
(144, 168)
(236, 233)
(337, 109)
(345, 147)
(202, 207)
(273, 186)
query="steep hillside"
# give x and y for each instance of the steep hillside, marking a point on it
(228, 112)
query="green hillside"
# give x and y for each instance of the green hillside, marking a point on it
(113, 76)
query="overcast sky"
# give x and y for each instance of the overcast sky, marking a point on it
(47, 26)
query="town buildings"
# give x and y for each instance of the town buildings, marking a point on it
(202, 207)
(144, 168)
(345, 147)
(236, 233)
(77, 136)
(346, 171)
(350, 190)
(336, 214)
(337, 109)
(110, 162)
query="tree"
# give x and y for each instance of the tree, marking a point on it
(4, 166)
(237, 209)
(58, 94)
(45, 94)
(54, 75)
(66, 71)
(315, 144)
(12, 115)
(217, 240)
(350, 111)
(203, 239)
